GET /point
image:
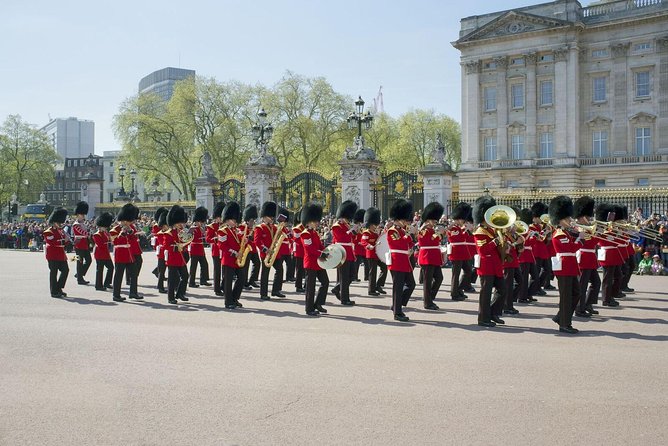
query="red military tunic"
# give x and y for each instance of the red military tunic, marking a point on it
(359, 249)
(565, 248)
(284, 250)
(490, 259)
(586, 255)
(155, 229)
(55, 241)
(134, 241)
(297, 247)
(250, 242)
(401, 245)
(312, 248)
(122, 249)
(608, 254)
(196, 247)
(80, 234)
(540, 250)
(174, 255)
(263, 234)
(212, 238)
(470, 243)
(342, 235)
(230, 243)
(101, 240)
(513, 258)
(458, 248)
(368, 242)
(430, 248)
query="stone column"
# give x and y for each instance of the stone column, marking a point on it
(91, 192)
(618, 137)
(471, 107)
(560, 102)
(660, 137)
(356, 179)
(501, 108)
(437, 180)
(573, 101)
(531, 106)
(204, 187)
(260, 179)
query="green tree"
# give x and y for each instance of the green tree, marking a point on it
(27, 160)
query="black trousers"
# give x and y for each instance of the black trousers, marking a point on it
(523, 289)
(356, 268)
(474, 275)
(99, 272)
(217, 271)
(119, 270)
(589, 277)
(289, 267)
(299, 272)
(234, 283)
(612, 276)
(254, 259)
(631, 266)
(569, 295)
(457, 284)
(57, 283)
(345, 277)
(162, 270)
(433, 278)
(376, 284)
(177, 281)
(485, 307)
(277, 286)
(83, 263)
(204, 269)
(403, 284)
(133, 273)
(512, 277)
(314, 301)
(538, 276)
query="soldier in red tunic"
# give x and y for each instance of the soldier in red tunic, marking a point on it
(162, 228)
(583, 209)
(123, 259)
(491, 253)
(177, 280)
(344, 235)
(135, 248)
(541, 253)
(196, 248)
(212, 239)
(283, 260)
(230, 239)
(565, 264)
(630, 265)
(298, 252)
(249, 217)
(609, 257)
(623, 244)
(512, 277)
(369, 238)
(156, 245)
(312, 248)
(82, 237)
(102, 239)
(358, 221)
(526, 259)
(458, 251)
(430, 257)
(263, 234)
(401, 245)
(55, 240)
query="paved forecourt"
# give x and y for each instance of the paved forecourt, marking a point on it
(85, 370)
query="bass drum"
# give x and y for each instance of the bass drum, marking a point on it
(337, 255)
(383, 249)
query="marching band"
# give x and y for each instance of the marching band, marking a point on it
(515, 253)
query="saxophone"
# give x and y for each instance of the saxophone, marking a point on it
(244, 249)
(276, 242)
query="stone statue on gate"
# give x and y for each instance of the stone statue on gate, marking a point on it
(207, 168)
(358, 151)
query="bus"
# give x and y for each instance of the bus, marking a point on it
(37, 212)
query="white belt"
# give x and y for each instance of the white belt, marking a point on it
(566, 254)
(122, 246)
(430, 247)
(530, 248)
(346, 244)
(469, 243)
(605, 248)
(593, 251)
(399, 251)
(459, 243)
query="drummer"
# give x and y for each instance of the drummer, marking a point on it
(313, 251)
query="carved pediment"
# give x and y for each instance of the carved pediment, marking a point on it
(642, 118)
(511, 23)
(516, 126)
(599, 121)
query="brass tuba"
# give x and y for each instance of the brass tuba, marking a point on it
(521, 228)
(500, 217)
(276, 242)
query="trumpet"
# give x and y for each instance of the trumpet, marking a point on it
(500, 217)
(276, 242)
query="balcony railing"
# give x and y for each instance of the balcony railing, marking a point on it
(567, 161)
(618, 6)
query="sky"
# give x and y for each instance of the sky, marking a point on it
(83, 58)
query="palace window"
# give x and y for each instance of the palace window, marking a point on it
(643, 140)
(517, 147)
(517, 95)
(547, 58)
(546, 93)
(599, 183)
(642, 84)
(517, 61)
(490, 148)
(546, 145)
(490, 98)
(600, 143)
(642, 182)
(599, 94)
(543, 183)
(643, 46)
(599, 54)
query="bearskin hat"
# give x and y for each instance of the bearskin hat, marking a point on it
(625, 212)
(539, 208)
(401, 210)
(371, 217)
(525, 216)
(602, 211)
(232, 211)
(583, 207)
(480, 207)
(311, 212)
(619, 212)
(105, 220)
(218, 209)
(460, 211)
(176, 215)
(269, 209)
(59, 215)
(433, 211)
(159, 212)
(250, 212)
(346, 210)
(127, 213)
(201, 214)
(135, 212)
(162, 221)
(359, 216)
(469, 215)
(560, 207)
(81, 208)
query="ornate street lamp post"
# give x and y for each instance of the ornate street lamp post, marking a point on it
(121, 173)
(133, 177)
(262, 131)
(359, 117)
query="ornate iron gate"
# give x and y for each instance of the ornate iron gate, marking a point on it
(233, 189)
(309, 186)
(396, 185)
